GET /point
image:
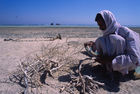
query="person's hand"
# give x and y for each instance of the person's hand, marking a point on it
(91, 44)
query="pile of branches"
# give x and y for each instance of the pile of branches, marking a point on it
(35, 68)
(83, 83)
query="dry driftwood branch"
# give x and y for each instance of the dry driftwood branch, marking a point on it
(81, 78)
(55, 69)
(26, 84)
(86, 82)
(93, 81)
(31, 40)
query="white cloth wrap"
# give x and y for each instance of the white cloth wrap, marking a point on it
(121, 42)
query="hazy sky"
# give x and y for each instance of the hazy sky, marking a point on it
(127, 12)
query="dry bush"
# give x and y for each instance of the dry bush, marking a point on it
(52, 58)
(35, 67)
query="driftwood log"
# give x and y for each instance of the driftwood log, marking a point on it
(31, 40)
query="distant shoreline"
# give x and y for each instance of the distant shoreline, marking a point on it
(54, 26)
(64, 26)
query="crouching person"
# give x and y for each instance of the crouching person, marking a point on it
(119, 47)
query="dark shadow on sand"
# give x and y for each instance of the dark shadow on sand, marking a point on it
(99, 74)
(64, 78)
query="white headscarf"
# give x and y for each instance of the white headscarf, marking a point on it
(112, 25)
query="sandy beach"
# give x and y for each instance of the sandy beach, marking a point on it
(29, 41)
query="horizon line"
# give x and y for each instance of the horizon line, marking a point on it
(56, 25)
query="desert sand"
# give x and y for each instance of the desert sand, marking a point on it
(13, 52)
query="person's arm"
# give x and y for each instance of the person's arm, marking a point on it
(130, 56)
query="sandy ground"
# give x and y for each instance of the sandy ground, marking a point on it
(11, 52)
